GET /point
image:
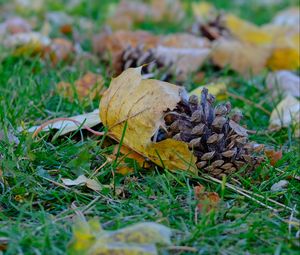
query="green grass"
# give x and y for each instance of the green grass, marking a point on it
(36, 215)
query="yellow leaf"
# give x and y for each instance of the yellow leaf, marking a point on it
(140, 239)
(246, 31)
(203, 10)
(217, 89)
(141, 104)
(284, 59)
(242, 57)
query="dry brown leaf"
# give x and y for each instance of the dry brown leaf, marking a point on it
(129, 13)
(273, 156)
(59, 50)
(284, 82)
(207, 201)
(91, 85)
(138, 105)
(240, 56)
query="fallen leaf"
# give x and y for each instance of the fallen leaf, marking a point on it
(207, 201)
(130, 13)
(242, 57)
(138, 106)
(286, 113)
(287, 58)
(273, 156)
(204, 11)
(246, 31)
(66, 126)
(284, 82)
(82, 180)
(111, 45)
(59, 50)
(279, 186)
(184, 61)
(289, 17)
(15, 25)
(90, 86)
(141, 238)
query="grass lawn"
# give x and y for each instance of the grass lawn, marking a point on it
(36, 213)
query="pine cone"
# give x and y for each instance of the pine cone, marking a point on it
(212, 29)
(154, 65)
(213, 134)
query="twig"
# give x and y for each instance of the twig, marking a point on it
(182, 248)
(249, 102)
(41, 127)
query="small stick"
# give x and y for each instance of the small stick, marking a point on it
(249, 102)
(182, 248)
(41, 127)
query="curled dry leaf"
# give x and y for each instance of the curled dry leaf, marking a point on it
(273, 156)
(135, 107)
(284, 82)
(286, 113)
(207, 201)
(82, 180)
(141, 238)
(91, 85)
(245, 58)
(66, 126)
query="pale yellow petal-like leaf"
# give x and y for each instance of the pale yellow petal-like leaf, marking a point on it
(286, 113)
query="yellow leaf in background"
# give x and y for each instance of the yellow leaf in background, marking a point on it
(245, 58)
(284, 59)
(140, 239)
(286, 113)
(203, 10)
(141, 104)
(84, 236)
(217, 89)
(246, 31)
